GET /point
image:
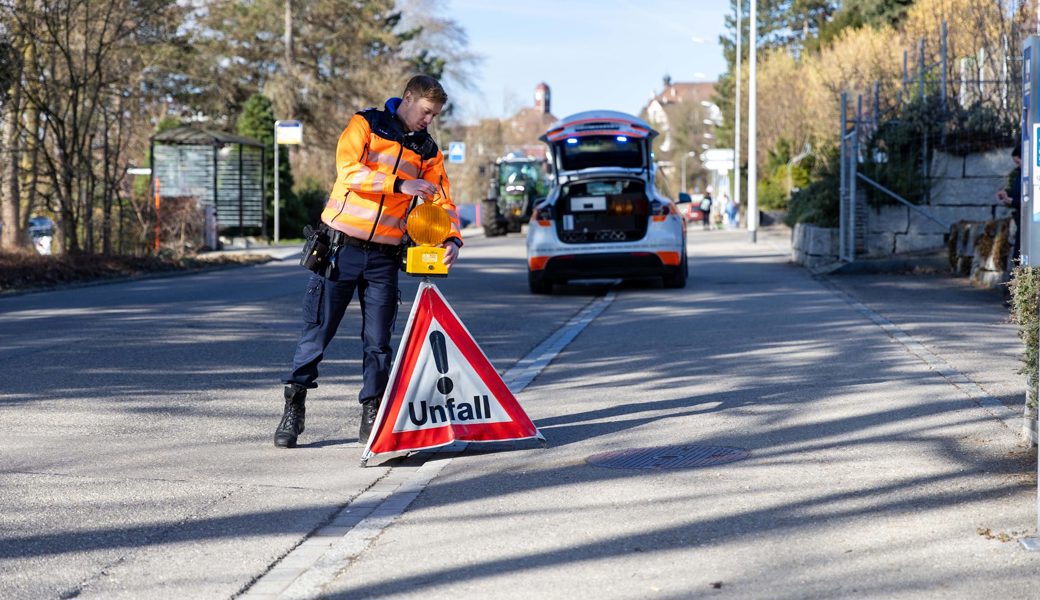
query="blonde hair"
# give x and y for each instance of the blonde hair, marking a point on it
(424, 86)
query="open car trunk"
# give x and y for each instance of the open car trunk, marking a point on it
(602, 210)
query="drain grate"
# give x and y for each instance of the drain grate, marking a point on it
(668, 457)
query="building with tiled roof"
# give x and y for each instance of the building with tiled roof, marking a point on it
(673, 94)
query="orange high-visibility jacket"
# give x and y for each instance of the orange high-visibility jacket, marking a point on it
(373, 153)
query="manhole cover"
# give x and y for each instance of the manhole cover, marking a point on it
(668, 457)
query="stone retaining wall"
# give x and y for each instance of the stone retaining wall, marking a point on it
(813, 246)
(962, 188)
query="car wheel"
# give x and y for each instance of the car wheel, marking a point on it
(677, 279)
(537, 283)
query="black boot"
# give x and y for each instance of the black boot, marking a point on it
(293, 417)
(369, 408)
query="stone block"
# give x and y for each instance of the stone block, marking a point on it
(946, 165)
(914, 243)
(922, 225)
(812, 246)
(888, 219)
(968, 233)
(988, 279)
(821, 241)
(962, 266)
(995, 163)
(973, 190)
(797, 236)
(946, 215)
(880, 244)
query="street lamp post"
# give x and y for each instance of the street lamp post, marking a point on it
(752, 172)
(685, 187)
(737, 111)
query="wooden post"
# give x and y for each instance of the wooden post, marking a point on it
(157, 221)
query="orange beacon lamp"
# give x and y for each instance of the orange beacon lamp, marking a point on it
(428, 226)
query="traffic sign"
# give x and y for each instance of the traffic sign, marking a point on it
(456, 152)
(288, 132)
(719, 165)
(443, 388)
(717, 154)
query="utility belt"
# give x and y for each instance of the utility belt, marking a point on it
(319, 251)
(338, 238)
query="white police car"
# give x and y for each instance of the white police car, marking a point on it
(604, 216)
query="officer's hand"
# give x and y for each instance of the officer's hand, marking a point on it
(451, 252)
(418, 187)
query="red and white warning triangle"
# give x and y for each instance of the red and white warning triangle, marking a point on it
(442, 387)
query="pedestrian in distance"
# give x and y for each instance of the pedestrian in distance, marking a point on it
(730, 209)
(705, 208)
(1012, 196)
(386, 162)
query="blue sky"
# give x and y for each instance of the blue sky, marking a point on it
(607, 54)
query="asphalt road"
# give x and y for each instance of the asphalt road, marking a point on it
(136, 459)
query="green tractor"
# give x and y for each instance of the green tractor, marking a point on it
(517, 182)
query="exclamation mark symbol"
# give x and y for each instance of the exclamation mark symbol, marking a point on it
(440, 356)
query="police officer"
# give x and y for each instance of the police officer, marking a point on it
(385, 161)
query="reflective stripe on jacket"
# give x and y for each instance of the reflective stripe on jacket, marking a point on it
(373, 152)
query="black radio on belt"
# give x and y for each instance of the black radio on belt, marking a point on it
(316, 250)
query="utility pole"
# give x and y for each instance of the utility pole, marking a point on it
(752, 218)
(289, 59)
(737, 136)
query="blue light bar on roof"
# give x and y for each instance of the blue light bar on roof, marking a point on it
(572, 140)
(622, 139)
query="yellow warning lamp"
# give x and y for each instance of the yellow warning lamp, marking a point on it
(428, 225)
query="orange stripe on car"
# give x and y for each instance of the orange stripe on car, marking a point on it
(537, 263)
(669, 258)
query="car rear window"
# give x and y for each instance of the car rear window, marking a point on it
(600, 151)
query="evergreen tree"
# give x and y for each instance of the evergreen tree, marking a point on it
(257, 121)
(864, 13)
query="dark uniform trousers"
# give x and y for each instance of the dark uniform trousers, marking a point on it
(374, 275)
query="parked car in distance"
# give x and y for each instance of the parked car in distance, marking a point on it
(605, 215)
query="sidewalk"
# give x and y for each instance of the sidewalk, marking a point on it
(874, 469)
(280, 252)
(967, 328)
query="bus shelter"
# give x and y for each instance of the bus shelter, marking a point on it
(225, 173)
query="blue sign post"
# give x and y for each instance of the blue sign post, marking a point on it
(456, 152)
(1030, 207)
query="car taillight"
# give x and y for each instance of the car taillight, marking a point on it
(660, 209)
(542, 215)
(620, 206)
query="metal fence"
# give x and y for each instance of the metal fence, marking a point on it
(929, 80)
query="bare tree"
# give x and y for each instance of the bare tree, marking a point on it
(83, 56)
(11, 48)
